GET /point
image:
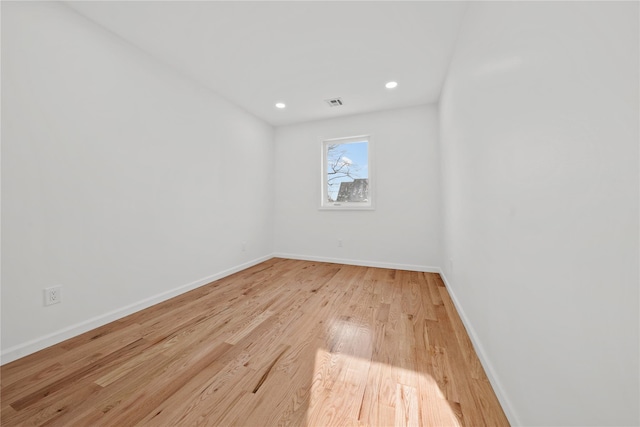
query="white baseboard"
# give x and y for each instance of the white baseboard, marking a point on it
(363, 263)
(484, 361)
(29, 347)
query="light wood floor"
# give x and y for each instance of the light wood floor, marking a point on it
(283, 343)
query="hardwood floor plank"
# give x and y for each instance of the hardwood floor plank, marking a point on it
(54, 409)
(28, 365)
(464, 342)
(407, 413)
(75, 376)
(82, 357)
(379, 399)
(284, 342)
(433, 286)
(428, 305)
(202, 393)
(162, 387)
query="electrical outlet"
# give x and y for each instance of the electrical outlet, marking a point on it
(52, 295)
(339, 243)
(244, 246)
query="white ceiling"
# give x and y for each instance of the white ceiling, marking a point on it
(258, 53)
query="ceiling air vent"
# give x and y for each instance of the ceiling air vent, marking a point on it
(335, 102)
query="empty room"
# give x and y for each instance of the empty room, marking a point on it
(332, 213)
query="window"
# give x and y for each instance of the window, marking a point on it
(346, 174)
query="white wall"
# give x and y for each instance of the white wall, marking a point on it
(539, 122)
(120, 179)
(404, 227)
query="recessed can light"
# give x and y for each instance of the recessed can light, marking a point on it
(391, 85)
(280, 105)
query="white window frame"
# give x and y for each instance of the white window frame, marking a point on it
(324, 203)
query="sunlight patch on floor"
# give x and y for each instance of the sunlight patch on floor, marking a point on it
(384, 394)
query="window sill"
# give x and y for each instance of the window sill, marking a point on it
(346, 208)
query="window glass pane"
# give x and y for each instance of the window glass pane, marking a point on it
(347, 174)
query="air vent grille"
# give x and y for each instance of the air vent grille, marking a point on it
(334, 102)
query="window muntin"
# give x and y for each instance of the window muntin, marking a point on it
(346, 173)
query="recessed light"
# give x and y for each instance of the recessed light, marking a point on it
(391, 85)
(280, 105)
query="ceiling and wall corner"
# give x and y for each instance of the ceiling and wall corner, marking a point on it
(300, 53)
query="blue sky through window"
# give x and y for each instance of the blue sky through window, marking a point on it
(354, 155)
